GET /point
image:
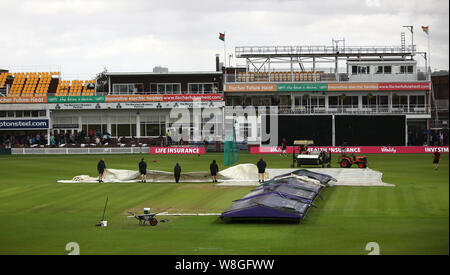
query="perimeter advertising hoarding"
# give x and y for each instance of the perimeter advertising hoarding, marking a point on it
(299, 87)
(162, 98)
(251, 87)
(135, 105)
(22, 100)
(23, 124)
(192, 97)
(177, 150)
(132, 98)
(357, 149)
(75, 99)
(353, 87)
(302, 87)
(403, 86)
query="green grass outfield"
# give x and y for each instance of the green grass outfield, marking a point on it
(40, 216)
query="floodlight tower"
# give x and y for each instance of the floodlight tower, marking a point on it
(411, 29)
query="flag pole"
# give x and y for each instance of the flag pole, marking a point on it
(429, 53)
(224, 51)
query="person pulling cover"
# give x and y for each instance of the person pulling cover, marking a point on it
(214, 169)
(143, 170)
(436, 158)
(101, 166)
(261, 169)
(177, 172)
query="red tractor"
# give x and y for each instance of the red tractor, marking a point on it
(347, 161)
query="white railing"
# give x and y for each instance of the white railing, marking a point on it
(340, 109)
(280, 76)
(311, 50)
(366, 109)
(69, 151)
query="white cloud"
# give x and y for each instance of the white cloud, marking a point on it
(83, 36)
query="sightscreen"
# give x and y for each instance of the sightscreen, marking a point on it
(370, 130)
(317, 128)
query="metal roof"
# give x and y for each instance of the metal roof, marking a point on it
(161, 73)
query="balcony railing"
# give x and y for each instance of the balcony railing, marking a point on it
(321, 50)
(367, 109)
(320, 76)
(339, 109)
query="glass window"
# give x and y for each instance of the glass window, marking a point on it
(42, 113)
(2, 114)
(421, 100)
(321, 101)
(152, 130)
(176, 88)
(128, 88)
(167, 88)
(407, 69)
(133, 130)
(193, 88)
(305, 100)
(113, 130)
(35, 113)
(139, 88)
(383, 100)
(369, 100)
(203, 87)
(153, 88)
(19, 113)
(10, 113)
(332, 101)
(387, 69)
(123, 130)
(208, 87)
(354, 69)
(417, 101)
(379, 70)
(363, 69)
(161, 88)
(350, 101)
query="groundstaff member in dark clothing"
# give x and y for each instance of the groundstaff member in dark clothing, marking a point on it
(261, 169)
(283, 147)
(177, 172)
(101, 166)
(214, 169)
(437, 157)
(143, 170)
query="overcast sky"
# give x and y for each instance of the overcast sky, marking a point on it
(82, 37)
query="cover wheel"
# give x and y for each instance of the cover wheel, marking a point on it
(345, 163)
(153, 222)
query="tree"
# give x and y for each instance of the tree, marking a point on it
(102, 81)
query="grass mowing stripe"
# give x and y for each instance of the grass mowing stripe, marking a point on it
(331, 199)
(400, 197)
(16, 191)
(382, 205)
(67, 212)
(351, 205)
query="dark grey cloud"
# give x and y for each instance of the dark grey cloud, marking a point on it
(83, 36)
